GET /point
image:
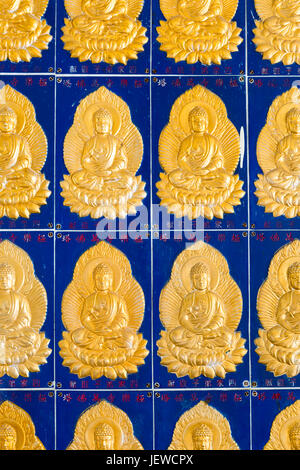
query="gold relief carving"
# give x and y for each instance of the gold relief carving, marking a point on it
(285, 431)
(104, 30)
(201, 307)
(277, 35)
(104, 427)
(199, 30)
(23, 308)
(278, 310)
(23, 151)
(199, 150)
(278, 154)
(103, 151)
(202, 428)
(103, 309)
(17, 431)
(23, 34)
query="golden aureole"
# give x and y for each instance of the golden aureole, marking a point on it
(278, 154)
(285, 431)
(104, 427)
(202, 428)
(277, 35)
(278, 303)
(104, 30)
(103, 309)
(103, 151)
(200, 308)
(17, 431)
(199, 150)
(23, 33)
(199, 30)
(23, 151)
(23, 308)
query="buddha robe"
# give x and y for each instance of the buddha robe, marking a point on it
(286, 21)
(287, 159)
(103, 161)
(202, 319)
(17, 16)
(104, 318)
(200, 162)
(287, 332)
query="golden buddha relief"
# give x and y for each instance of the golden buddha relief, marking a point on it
(103, 309)
(199, 150)
(103, 151)
(201, 307)
(17, 431)
(23, 307)
(104, 30)
(277, 35)
(199, 30)
(278, 154)
(285, 431)
(278, 302)
(104, 427)
(202, 428)
(23, 151)
(23, 33)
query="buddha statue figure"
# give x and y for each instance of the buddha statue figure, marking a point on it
(102, 337)
(103, 163)
(104, 437)
(23, 151)
(104, 30)
(201, 315)
(199, 30)
(104, 427)
(22, 347)
(279, 341)
(104, 160)
(17, 431)
(23, 34)
(202, 428)
(200, 337)
(285, 430)
(278, 153)
(199, 179)
(277, 34)
(8, 437)
(202, 437)
(104, 316)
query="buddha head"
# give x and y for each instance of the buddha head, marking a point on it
(103, 277)
(98, 7)
(104, 437)
(8, 120)
(9, 5)
(198, 120)
(293, 274)
(200, 276)
(193, 8)
(103, 121)
(294, 436)
(286, 8)
(293, 121)
(8, 437)
(202, 437)
(7, 277)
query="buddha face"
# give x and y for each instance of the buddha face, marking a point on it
(9, 5)
(7, 277)
(286, 8)
(194, 8)
(103, 278)
(294, 435)
(8, 437)
(202, 438)
(294, 276)
(198, 120)
(98, 7)
(103, 122)
(293, 121)
(200, 277)
(8, 121)
(104, 437)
